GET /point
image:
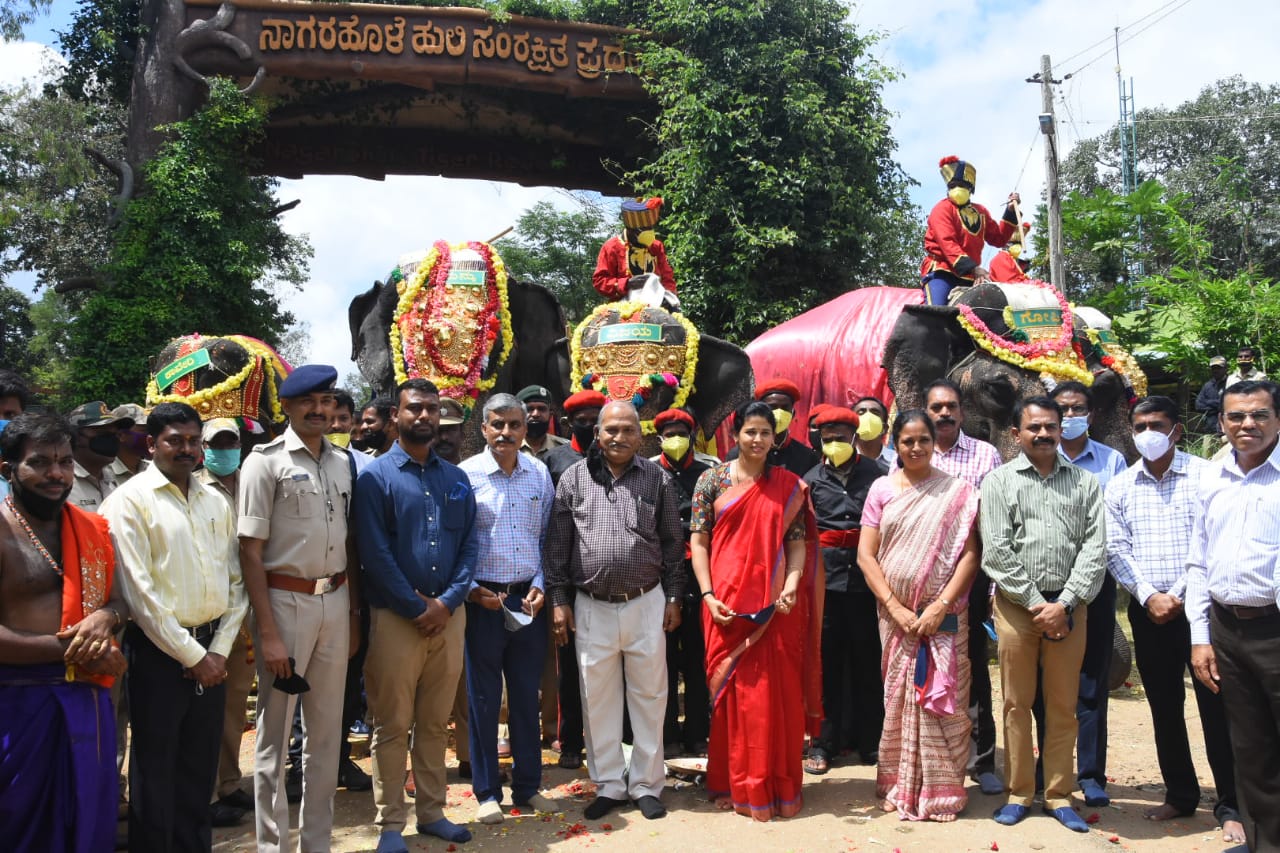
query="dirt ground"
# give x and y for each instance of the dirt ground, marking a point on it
(839, 813)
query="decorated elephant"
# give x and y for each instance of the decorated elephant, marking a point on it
(451, 315)
(655, 359)
(1003, 342)
(233, 376)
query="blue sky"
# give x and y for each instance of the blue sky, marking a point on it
(962, 91)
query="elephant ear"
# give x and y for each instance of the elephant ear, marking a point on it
(556, 366)
(925, 342)
(369, 316)
(538, 323)
(722, 383)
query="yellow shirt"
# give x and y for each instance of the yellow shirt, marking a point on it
(178, 562)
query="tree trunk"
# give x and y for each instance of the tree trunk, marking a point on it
(160, 94)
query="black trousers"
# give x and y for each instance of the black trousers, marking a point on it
(980, 710)
(1163, 656)
(173, 757)
(851, 666)
(686, 658)
(1248, 653)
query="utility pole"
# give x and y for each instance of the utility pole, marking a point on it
(1048, 126)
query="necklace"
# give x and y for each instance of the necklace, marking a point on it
(738, 478)
(31, 534)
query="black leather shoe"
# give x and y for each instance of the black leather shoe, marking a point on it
(223, 815)
(352, 777)
(238, 799)
(651, 807)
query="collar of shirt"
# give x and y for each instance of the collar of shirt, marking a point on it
(488, 463)
(401, 457)
(1178, 466)
(152, 478)
(1232, 466)
(634, 464)
(293, 441)
(964, 443)
(107, 478)
(1089, 452)
(1022, 462)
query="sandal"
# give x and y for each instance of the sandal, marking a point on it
(817, 764)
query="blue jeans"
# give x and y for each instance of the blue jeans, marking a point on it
(492, 653)
(938, 286)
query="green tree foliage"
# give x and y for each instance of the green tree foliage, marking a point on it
(99, 48)
(557, 249)
(773, 152)
(50, 348)
(15, 14)
(1220, 149)
(56, 202)
(200, 251)
(15, 331)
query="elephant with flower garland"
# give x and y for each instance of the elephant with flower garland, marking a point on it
(1003, 342)
(655, 359)
(452, 315)
(229, 376)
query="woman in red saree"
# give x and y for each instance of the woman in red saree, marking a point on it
(919, 552)
(754, 544)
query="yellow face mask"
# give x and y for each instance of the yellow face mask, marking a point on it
(675, 446)
(870, 427)
(839, 452)
(781, 421)
(646, 238)
(959, 196)
(341, 439)
(1015, 249)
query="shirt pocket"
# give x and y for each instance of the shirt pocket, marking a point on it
(646, 514)
(454, 515)
(1075, 521)
(1263, 522)
(301, 498)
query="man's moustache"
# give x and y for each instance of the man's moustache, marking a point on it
(184, 458)
(1042, 441)
(946, 420)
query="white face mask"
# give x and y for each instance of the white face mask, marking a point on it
(1152, 444)
(1074, 427)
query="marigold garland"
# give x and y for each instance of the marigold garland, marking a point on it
(1054, 357)
(259, 353)
(626, 311)
(435, 266)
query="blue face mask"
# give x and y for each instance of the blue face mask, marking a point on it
(1074, 427)
(221, 463)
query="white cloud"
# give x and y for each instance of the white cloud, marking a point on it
(25, 62)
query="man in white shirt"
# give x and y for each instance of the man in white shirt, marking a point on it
(180, 574)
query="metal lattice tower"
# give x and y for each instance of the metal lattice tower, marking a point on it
(1127, 130)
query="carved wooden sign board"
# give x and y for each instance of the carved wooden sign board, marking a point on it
(373, 90)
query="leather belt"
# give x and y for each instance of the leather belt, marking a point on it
(319, 586)
(202, 632)
(839, 538)
(520, 588)
(620, 597)
(1240, 611)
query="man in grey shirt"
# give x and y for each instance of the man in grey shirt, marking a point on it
(1044, 544)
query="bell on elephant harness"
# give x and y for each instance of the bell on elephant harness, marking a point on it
(647, 288)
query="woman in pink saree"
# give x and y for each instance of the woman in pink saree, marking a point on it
(754, 547)
(919, 553)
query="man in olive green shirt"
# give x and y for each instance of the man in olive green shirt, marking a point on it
(1044, 545)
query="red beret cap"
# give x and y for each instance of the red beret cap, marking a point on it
(586, 399)
(837, 415)
(778, 386)
(670, 415)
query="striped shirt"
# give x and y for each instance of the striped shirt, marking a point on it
(178, 562)
(1043, 534)
(1149, 525)
(1235, 546)
(614, 540)
(969, 459)
(1099, 460)
(512, 511)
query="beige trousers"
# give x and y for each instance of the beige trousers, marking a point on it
(316, 629)
(1025, 655)
(239, 681)
(461, 717)
(410, 684)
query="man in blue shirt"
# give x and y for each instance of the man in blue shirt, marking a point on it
(513, 504)
(1103, 463)
(416, 516)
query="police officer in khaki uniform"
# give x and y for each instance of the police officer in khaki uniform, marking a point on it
(295, 494)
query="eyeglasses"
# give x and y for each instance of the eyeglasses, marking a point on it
(1075, 410)
(1259, 417)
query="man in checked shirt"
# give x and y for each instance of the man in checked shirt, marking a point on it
(615, 534)
(1151, 510)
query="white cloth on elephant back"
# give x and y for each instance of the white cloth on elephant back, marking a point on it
(652, 293)
(1092, 317)
(1022, 297)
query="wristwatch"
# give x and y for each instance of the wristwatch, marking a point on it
(1068, 607)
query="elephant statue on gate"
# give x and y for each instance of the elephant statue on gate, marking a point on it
(451, 315)
(655, 359)
(1003, 342)
(231, 376)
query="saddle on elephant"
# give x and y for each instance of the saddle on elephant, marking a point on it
(452, 322)
(1035, 330)
(635, 352)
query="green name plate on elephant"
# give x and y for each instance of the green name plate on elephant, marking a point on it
(466, 278)
(623, 332)
(1037, 319)
(171, 373)
(1106, 337)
